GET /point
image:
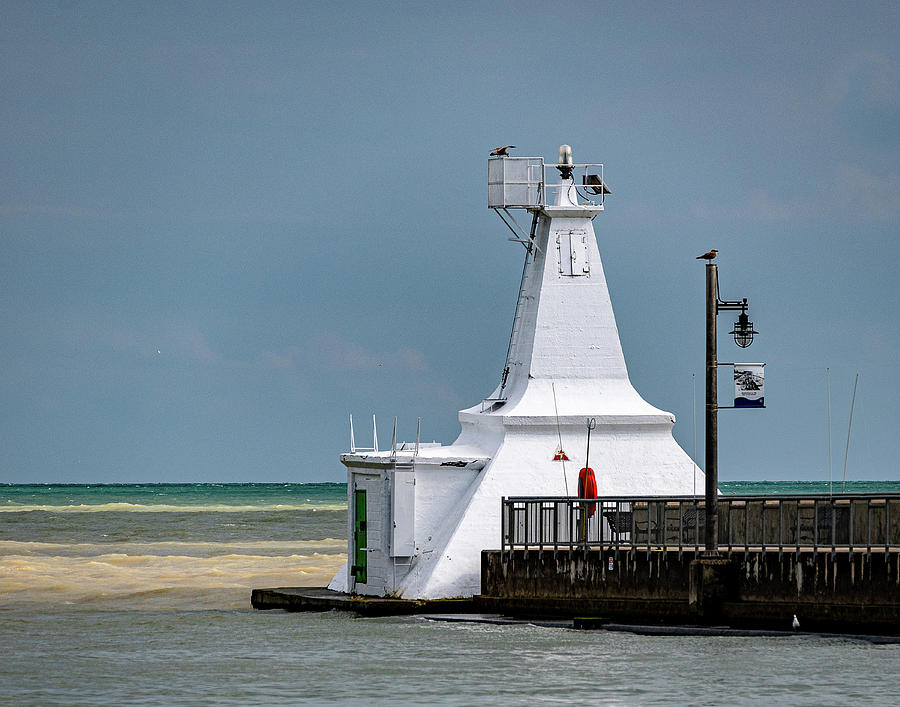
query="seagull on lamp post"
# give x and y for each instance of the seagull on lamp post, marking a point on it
(708, 255)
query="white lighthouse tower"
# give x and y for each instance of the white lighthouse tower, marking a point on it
(419, 515)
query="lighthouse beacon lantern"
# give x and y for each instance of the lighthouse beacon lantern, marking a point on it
(420, 514)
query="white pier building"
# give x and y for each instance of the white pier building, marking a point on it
(419, 515)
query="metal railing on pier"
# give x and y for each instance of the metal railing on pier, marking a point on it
(863, 523)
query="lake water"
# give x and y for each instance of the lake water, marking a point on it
(140, 594)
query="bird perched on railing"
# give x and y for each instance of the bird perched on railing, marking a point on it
(502, 151)
(708, 255)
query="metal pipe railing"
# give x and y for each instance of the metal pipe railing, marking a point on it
(864, 523)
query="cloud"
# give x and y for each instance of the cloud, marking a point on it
(187, 340)
(871, 197)
(867, 76)
(66, 211)
(171, 338)
(283, 360)
(758, 206)
(414, 360)
(854, 193)
(864, 97)
(329, 350)
(445, 394)
(338, 353)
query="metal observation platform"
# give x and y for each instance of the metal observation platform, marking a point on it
(524, 183)
(846, 523)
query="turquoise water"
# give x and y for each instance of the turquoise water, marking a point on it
(172, 497)
(116, 594)
(797, 487)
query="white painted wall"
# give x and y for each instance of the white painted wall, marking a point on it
(567, 341)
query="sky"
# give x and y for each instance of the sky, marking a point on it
(225, 226)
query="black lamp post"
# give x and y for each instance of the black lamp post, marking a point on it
(743, 336)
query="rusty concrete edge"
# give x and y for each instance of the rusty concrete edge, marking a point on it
(320, 599)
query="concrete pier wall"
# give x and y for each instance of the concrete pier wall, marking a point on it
(839, 591)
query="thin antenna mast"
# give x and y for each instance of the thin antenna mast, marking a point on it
(374, 434)
(394, 440)
(352, 443)
(694, 408)
(849, 425)
(828, 419)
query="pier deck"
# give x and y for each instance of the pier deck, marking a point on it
(653, 618)
(322, 599)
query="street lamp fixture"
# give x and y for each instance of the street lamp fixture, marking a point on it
(743, 328)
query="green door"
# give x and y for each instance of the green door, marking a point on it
(359, 537)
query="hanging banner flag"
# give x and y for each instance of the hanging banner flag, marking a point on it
(749, 385)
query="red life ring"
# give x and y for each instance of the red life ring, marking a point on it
(587, 487)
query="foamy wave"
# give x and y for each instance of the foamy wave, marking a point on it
(267, 548)
(168, 508)
(157, 581)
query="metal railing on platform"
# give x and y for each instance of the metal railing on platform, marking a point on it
(852, 523)
(527, 183)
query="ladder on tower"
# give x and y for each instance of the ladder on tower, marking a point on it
(520, 306)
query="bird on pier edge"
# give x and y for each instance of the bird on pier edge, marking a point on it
(708, 255)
